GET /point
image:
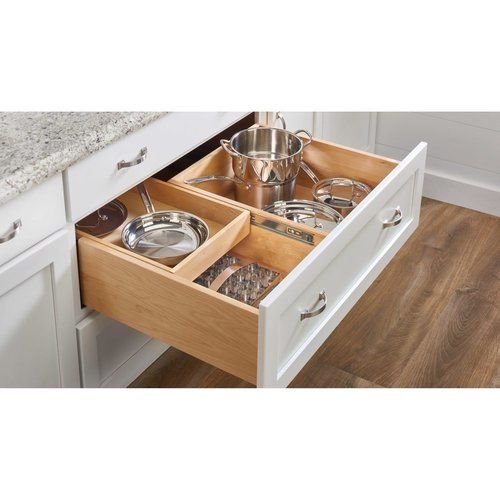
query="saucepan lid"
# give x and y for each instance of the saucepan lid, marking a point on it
(340, 192)
(311, 213)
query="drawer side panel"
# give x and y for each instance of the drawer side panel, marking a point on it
(199, 322)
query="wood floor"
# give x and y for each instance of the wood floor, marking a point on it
(431, 319)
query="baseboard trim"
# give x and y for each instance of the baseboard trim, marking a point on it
(458, 191)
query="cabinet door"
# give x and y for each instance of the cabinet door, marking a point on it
(37, 335)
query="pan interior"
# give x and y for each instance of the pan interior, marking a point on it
(161, 236)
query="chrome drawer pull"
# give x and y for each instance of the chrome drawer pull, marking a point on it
(16, 227)
(309, 314)
(138, 159)
(397, 218)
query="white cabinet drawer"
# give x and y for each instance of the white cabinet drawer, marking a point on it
(112, 354)
(266, 345)
(97, 179)
(342, 272)
(40, 212)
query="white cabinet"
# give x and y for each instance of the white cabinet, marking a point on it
(111, 353)
(37, 335)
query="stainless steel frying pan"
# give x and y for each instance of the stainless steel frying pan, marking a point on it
(167, 236)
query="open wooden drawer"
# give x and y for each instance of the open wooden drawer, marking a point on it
(323, 275)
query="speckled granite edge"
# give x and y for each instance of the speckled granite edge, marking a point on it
(33, 155)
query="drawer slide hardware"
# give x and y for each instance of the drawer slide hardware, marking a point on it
(12, 233)
(283, 229)
(138, 159)
(310, 314)
(396, 219)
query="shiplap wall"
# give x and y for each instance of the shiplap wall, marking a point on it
(356, 130)
(463, 162)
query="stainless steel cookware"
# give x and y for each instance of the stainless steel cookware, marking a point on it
(240, 279)
(166, 236)
(311, 213)
(266, 154)
(338, 192)
(105, 220)
(254, 194)
(265, 162)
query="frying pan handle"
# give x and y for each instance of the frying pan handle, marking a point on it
(279, 117)
(309, 172)
(226, 145)
(309, 135)
(146, 199)
(207, 178)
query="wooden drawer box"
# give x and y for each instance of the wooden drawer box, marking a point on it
(267, 345)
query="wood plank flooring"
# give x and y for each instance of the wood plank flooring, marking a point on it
(431, 319)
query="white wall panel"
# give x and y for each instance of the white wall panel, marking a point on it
(463, 162)
(448, 140)
(356, 130)
(485, 120)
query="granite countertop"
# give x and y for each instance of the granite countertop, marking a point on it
(35, 146)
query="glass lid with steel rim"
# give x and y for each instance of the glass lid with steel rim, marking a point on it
(104, 220)
(340, 192)
(311, 213)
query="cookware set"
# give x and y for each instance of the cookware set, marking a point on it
(265, 162)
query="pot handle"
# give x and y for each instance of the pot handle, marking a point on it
(309, 172)
(309, 135)
(226, 145)
(279, 117)
(146, 199)
(207, 178)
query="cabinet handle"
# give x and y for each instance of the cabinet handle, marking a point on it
(396, 219)
(138, 159)
(12, 233)
(309, 314)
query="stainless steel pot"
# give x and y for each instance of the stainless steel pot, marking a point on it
(257, 194)
(266, 154)
(265, 162)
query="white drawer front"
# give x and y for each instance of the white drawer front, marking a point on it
(96, 180)
(343, 266)
(40, 212)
